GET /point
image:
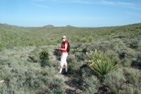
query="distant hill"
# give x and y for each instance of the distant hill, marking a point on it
(70, 25)
(48, 26)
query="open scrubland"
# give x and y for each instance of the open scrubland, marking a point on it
(105, 60)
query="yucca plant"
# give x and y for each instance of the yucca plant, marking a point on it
(101, 62)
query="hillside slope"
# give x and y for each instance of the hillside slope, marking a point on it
(28, 64)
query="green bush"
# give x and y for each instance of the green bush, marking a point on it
(139, 46)
(118, 45)
(134, 43)
(115, 80)
(40, 55)
(1, 47)
(123, 81)
(126, 62)
(90, 85)
(133, 77)
(44, 58)
(34, 55)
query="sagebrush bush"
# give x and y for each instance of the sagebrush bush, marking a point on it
(134, 43)
(123, 81)
(90, 85)
(126, 62)
(73, 67)
(1, 47)
(34, 55)
(23, 77)
(118, 45)
(139, 46)
(115, 80)
(133, 77)
(40, 55)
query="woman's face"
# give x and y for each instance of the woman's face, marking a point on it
(63, 39)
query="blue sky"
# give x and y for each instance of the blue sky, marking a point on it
(80, 13)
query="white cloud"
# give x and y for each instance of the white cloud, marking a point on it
(100, 2)
(124, 4)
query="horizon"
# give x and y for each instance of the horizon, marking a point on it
(77, 13)
(68, 25)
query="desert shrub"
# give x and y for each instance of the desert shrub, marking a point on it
(118, 45)
(83, 39)
(90, 39)
(77, 58)
(133, 77)
(71, 58)
(134, 43)
(90, 85)
(77, 51)
(44, 58)
(1, 47)
(5, 71)
(129, 89)
(139, 46)
(56, 83)
(126, 54)
(105, 45)
(34, 55)
(40, 55)
(123, 81)
(49, 71)
(73, 67)
(115, 80)
(131, 53)
(91, 46)
(126, 62)
(87, 39)
(54, 92)
(102, 45)
(101, 63)
(136, 62)
(44, 84)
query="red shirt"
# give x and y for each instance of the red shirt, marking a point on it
(63, 46)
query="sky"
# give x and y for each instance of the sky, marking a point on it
(79, 13)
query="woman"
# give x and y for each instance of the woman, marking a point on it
(63, 61)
